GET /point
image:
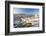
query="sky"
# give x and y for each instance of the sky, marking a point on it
(26, 10)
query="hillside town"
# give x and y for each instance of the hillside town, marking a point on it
(26, 20)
